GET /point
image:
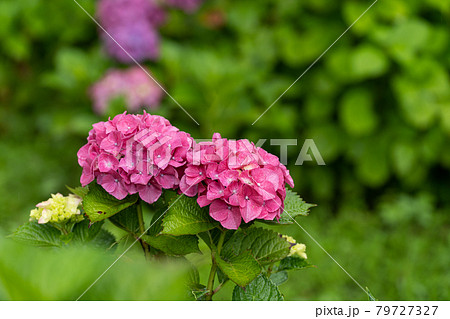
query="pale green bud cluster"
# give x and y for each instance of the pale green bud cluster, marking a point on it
(58, 209)
(296, 249)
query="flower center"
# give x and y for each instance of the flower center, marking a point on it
(246, 197)
(116, 180)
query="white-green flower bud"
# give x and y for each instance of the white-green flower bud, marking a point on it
(58, 209)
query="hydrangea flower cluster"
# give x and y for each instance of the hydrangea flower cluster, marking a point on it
(58, 209)
(238, 181)
(296, 249)
(134, 25)
(138, 89)
(135, 154)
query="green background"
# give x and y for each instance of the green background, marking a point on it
(377, 105)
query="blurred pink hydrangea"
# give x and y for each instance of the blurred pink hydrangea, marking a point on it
(132, 23)
(135, 154)
(186, 5)
(138, 89)
(237, 179)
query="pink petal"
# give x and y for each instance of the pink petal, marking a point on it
(186, 189)
(219, 210)
(202, 201)
(233, 219)
(149, 193)
(251, 211)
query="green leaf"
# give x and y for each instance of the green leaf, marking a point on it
(370, 296)
(169, 244)
(127, 219)
(367, 61)
(221, 276)
(193, 276)
(241, 269)
(293, 263)
(79, 191)
(99, 205)
(42, 235)
(85, 232)
(199, 292)
(214, 234)
(293, 207)
(186, 217)
(174, 245)
(260, 289)
(156, 222)
(356, 112)
(265, 245)
(279, 278)
(103, 240)
(92, 234)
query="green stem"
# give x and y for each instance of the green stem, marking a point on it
(220, 286)
(144, 245)
(269, 270)
(212, 273)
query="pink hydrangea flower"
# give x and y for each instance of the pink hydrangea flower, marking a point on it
(138, 89)
(237, 180)
(132, 154)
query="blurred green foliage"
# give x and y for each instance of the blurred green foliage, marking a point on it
(377, 106)
(28, 273)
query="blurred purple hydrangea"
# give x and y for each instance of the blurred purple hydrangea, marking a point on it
(133, 84)
(186, 5)
(140, 40)
(113, 12)
(132, 23)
